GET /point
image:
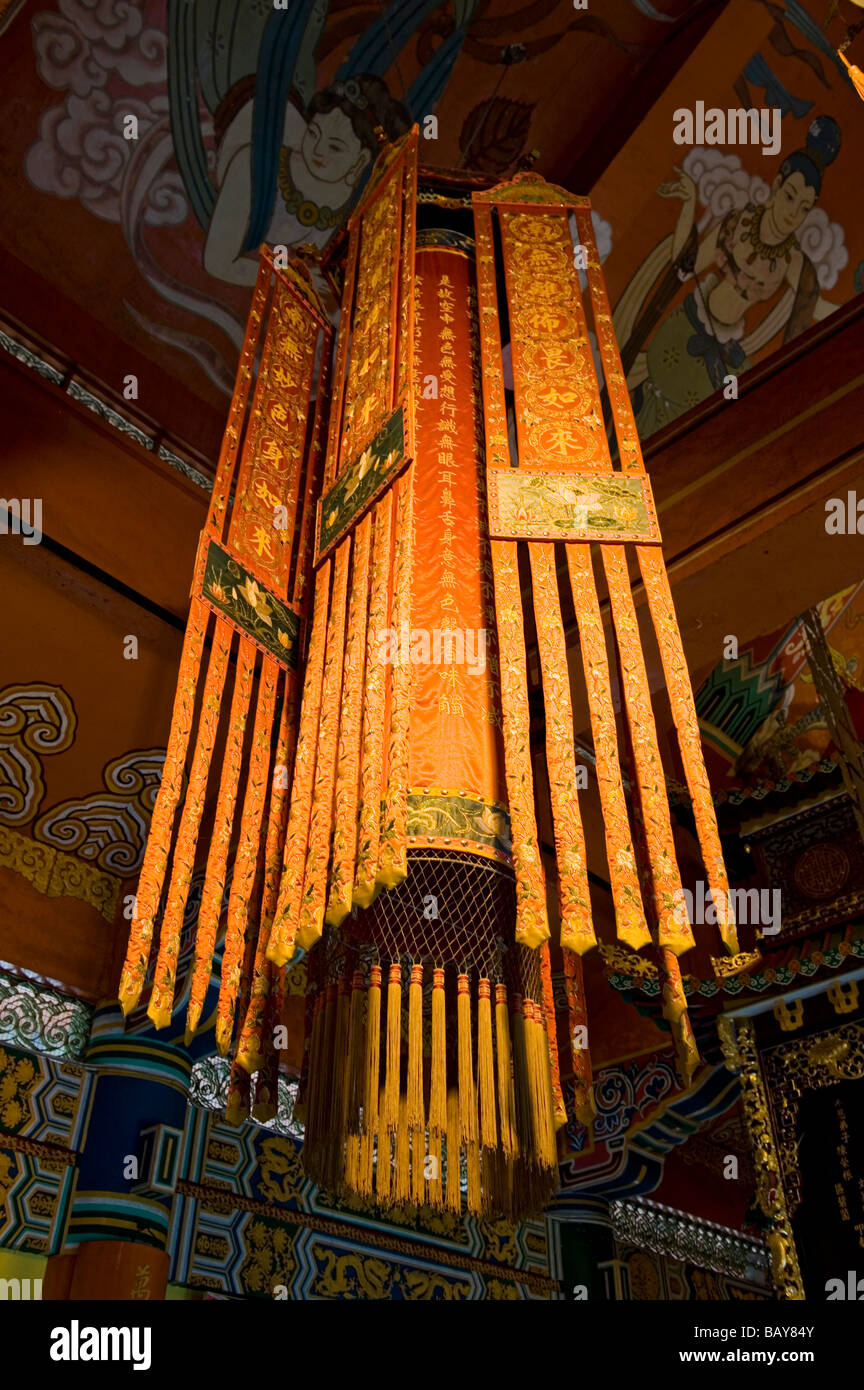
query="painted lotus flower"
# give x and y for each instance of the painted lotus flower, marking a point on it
(257, 601)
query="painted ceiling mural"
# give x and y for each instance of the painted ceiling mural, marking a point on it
(152, 145)
(724, 252)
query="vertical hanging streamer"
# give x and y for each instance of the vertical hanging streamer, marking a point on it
(580, 1057)
(313, 899)
(506, 1099)
(372, 1071)
(155, 862)
(212, 892)
(393, 1056)
(246, 856)
(648, 768)
(686, 721)
(251, 1050)
(548, 1007)
(486, 1067)
(281, 944)
(164, 977)
(623, 873)
(392, 854)
(532, 925)
(347, 771)
(372, 758)
(577, 931)
(438, 1079)
(659, 594)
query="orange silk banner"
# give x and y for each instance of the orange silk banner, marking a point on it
(456, 769)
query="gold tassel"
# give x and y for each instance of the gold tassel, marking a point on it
(537, 1049)
(506, 1112)
(454, 1191)
(341, 1065)
(416, 1117)
(486, 1068)
(434, 1185)
(354, 1071)
(393, 1059)
(418, 1166)
(402, 1175)
(438, 1085)
(372, 1067)
(472, 1168)
(521, 1081)
(384, 1163)
(467, 1096)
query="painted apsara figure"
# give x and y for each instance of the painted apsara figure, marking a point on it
(748, 257)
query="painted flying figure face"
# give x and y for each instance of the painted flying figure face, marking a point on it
(331, 150)
(791, 200)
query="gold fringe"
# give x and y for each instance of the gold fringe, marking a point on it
(393, 1059)
(341, 1064)
(467, 1095)
(521, 1079)
(416, 1117)
(537, 1047)
(372, 1068)
(454, 1192)
(486, 1068)
(438, 1083)
(434, 1183)
(384, 1163)
(418, 1166)
(509, 1143)
(402, 1174)
(472, 1167)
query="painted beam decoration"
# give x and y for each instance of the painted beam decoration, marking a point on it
(565, 506)
(355, 490)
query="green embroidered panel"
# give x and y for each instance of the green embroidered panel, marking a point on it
(436, 816)
(357, 488)
(531, 505)
(232, 591)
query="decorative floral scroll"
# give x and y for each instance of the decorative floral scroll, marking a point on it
(665, 877)
(684, 714)
(372, 757)
(161, 826)
(532, 925)
(212, 892)
(347, 771)
(246, 856)
(577, 931)
(392, 859)
(164, 976)
(281, 945)
(312, 903)
(623, 873)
